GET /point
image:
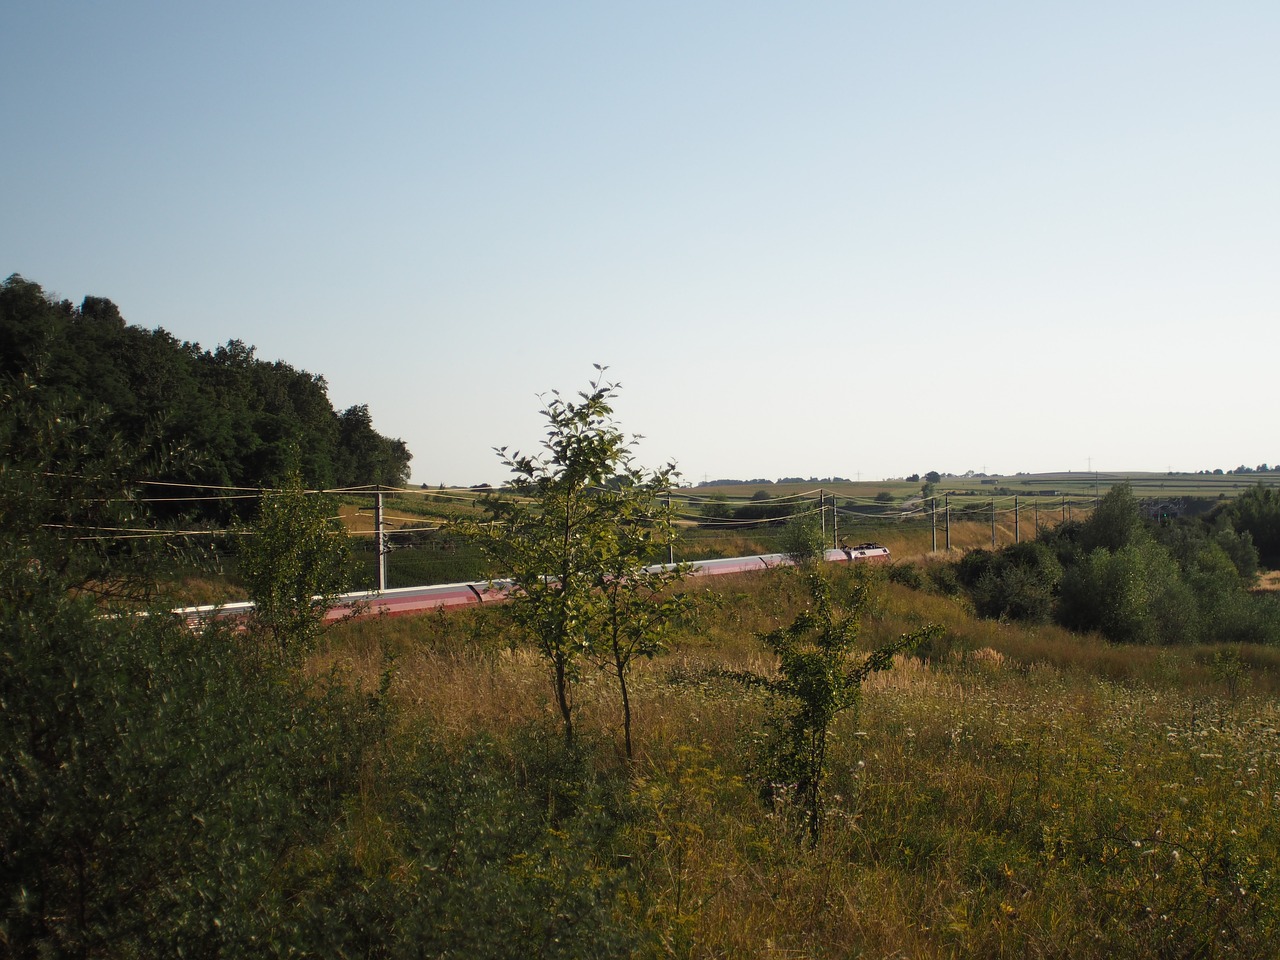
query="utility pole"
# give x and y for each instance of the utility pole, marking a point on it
(933, 521)
(380, 540)
(947, 521)
(835, 524)
(822, 514)
(1016, 534)
(993, 523)
(671, 542)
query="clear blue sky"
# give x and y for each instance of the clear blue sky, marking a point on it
(860, 239)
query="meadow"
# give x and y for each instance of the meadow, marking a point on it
(1006, 792)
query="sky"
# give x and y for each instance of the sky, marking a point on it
(857, 239)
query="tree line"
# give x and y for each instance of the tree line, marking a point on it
(1136, 579)
(220, 417)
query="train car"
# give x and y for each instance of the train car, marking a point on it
(447, 596)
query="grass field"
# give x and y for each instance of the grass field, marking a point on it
(1007, 792)
(1071, 484)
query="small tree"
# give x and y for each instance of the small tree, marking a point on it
(573, 539)
(802, 541)
(1116, 522)
(820, 676)
(294, 562)
(637, 607)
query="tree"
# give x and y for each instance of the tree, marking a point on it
(802, 541)
(294, 562)
(365, 456)
(716, 507)
(62, 497)
(156, 787)
(1116, 521)
(242, 420)
(1135, 594)
(1257, 511)
(820, 676)
(572, 538)
(638, 607)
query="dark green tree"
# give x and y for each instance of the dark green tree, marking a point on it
(155, 786)
(1257, 512)
(1116, 521)
(241, 421)
(62, 499)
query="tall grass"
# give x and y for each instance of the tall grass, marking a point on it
(1007, 793)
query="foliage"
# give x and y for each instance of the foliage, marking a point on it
(165, 792)
(1133, 595)
(906, 574)
(1115, 523)
(1184, 580)
(294, 562)
(1257, 512)
(820, 676)
(61, 496)
(802, 541)
(477, 851)
(242, 421)
(764, 508)
(1019, 583)
(573, 538)
(716, 507)
(154, 783)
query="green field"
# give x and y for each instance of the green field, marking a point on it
(1077, 484)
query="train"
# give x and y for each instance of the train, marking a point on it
(446, 596)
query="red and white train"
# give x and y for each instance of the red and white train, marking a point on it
(403, 600)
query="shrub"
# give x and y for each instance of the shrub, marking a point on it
(802, 541)
(1018, 583)
(820, 675)
(1134, 595)
(907, 575)
(126, 741)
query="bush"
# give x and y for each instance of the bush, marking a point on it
(971, 567)
(906, 574)
(154, 784)
(944, 578)
(1134, 595)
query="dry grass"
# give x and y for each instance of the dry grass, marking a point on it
(1018, 793)
(1268, 581)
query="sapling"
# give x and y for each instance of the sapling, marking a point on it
(820, 676)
